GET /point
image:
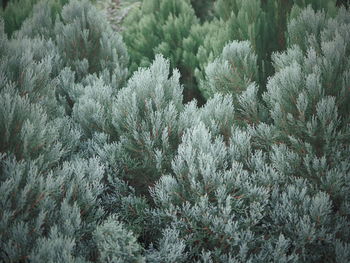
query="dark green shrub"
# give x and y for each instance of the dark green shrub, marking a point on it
(17, 11)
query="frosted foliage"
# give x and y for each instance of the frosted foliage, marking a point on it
(145, 117)
(232, 72)
(95, 167)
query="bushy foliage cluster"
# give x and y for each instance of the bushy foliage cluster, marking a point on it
(105, 157)
(18, 10)
(170, 28)
(51, 189)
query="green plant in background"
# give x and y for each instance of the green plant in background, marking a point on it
(17, 11)
(263, 23)
(171, 28)
(160, 27)
(235, 20)
(203, 8)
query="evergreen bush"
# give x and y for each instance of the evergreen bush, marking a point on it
(232, 72)
(17, 11)
(289, 196)
(203, 8)
(96, 167)
(145, 118)
(160, 27)
(88, 44)
(263, 23)
(52, 189)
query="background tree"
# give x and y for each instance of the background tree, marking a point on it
(161, 27)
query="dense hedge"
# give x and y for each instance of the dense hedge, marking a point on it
(106, 155)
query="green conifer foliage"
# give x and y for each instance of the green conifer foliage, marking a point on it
(263, 23)
(273, 192)
(88, 44)
(193, 45)
(92, 170)
(160, 27)
(28, 65)
(310, 101)
(232, 72)
(145, 118)
(17, 11)
(235, 72)
(236, 20)
(116, 244)
(203, 8)
(210, 199)
(52, 188)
